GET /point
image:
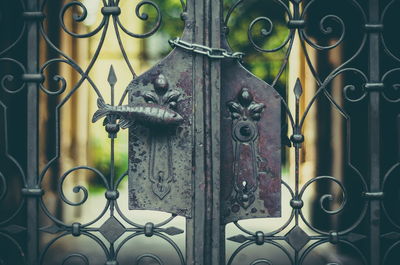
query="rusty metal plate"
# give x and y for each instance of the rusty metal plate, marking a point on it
(250, 146)
(160, 151)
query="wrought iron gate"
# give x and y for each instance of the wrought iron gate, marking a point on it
(205, 138)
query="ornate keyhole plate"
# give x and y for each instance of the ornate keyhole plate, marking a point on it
(251, 156)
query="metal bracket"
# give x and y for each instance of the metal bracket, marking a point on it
(296, 24)
(33, 15)
(374, 86)
(373, 195)
(214, 53)
(111, 10)
(374, 27)
(32, 192)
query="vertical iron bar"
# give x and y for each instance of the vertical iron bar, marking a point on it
(112, 79)
(32, 133)
(374, 134)
(208, 250)
(297, 131)
(216, 238)
(205, 235)
(195, 226)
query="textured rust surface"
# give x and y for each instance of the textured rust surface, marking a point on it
(160, 156)
(250, 146)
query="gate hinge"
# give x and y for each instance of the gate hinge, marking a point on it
(214, 53)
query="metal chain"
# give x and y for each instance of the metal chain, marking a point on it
(214, 53)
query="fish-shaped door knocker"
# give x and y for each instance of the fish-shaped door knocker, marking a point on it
(144, 113)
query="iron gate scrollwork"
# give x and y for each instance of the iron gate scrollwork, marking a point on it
(205, 136)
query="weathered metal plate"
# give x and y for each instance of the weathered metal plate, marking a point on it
(160, 156)
(250, 146)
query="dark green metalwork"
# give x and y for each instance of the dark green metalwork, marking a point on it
(205, 137)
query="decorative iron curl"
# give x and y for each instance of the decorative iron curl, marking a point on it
(143, 16)
(394, 88)
(76, 189)
(352, 89)
(349, 90)
(78, 256)
(323, 198)
(327, 196)
(339, 209)
(8, 78)
(79, 188)
(62, 83)
(266, 32)
(150, 256)
(79, 18)
(326, 30)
